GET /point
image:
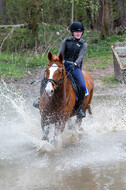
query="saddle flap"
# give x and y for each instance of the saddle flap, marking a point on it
(76, 87)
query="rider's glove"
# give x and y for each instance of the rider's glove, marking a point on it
(75, 64)
(72, 67)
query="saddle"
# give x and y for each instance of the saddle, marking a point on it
(76, 87)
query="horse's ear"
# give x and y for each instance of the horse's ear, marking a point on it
(50, 56)
(61, 58)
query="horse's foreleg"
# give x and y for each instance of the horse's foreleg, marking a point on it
(59, 127)
(45, 134)
(70, 124)
(45, 129)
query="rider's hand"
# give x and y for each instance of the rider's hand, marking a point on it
(72, 67)
(75, 64)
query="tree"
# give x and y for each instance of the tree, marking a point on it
(99, 20)
(89, 13)
(105, 18)
(32, 17)
(4, 19)
(121, 13)
(72, 12)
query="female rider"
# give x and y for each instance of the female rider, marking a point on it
(74, 49)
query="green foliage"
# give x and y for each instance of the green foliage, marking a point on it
(21, 11)
(97, 47)
(17, 65)
(99, 62)
(56, 12)
(18, 53)
(20, 40)
(10, 70)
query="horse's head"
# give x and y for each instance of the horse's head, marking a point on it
(54, 73)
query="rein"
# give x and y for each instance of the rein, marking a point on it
(62, 80)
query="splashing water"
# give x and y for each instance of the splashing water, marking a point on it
(100, 140)
(21, 115)
(110, 116)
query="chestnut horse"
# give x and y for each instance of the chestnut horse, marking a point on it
(58, 100)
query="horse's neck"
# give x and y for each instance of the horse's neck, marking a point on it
(59, 93)
(63, 97)
(64, 89)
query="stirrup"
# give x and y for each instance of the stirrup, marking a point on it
(80, 113)
(36, 103)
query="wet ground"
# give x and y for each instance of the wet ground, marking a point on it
(90, 157)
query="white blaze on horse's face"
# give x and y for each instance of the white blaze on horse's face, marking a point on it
(49, 88)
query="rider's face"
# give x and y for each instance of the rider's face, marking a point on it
(77, 35)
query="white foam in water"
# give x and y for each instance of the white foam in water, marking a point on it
(99, 138)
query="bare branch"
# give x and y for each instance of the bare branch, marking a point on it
(6, 38)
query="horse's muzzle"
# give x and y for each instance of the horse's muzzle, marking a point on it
(49, 89)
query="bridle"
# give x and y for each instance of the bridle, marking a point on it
(60, 82)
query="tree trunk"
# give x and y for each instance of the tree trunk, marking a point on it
(99, 20)
(121, 13)
(105, 18)
(72, 12)
(88, 12)
(32, 19)
(3, 12)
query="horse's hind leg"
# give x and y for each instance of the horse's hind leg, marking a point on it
(89, 109)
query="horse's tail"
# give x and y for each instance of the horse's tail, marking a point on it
(91, 95)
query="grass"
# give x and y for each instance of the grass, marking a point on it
(98, 62)
(8, 70)
(16, 60)
(16, 65)
(97, 47)
(110, 79)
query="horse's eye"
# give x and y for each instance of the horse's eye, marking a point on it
(60, 72)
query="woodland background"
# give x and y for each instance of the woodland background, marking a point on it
(106, 16)
(38, 26)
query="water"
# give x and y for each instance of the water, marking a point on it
(91, 157)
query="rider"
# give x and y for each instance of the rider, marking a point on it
(73, 49)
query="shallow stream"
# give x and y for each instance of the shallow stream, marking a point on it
(90, 157)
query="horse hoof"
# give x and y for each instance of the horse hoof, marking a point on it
(44, 138)
(54, 142)
(36, 103)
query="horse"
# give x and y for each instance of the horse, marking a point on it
(58, 99)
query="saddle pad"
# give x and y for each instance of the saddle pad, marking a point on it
(87, 92)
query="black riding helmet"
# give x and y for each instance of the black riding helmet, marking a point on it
(77, 26)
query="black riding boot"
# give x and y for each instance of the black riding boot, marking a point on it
(42, 88)
(80, 112)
